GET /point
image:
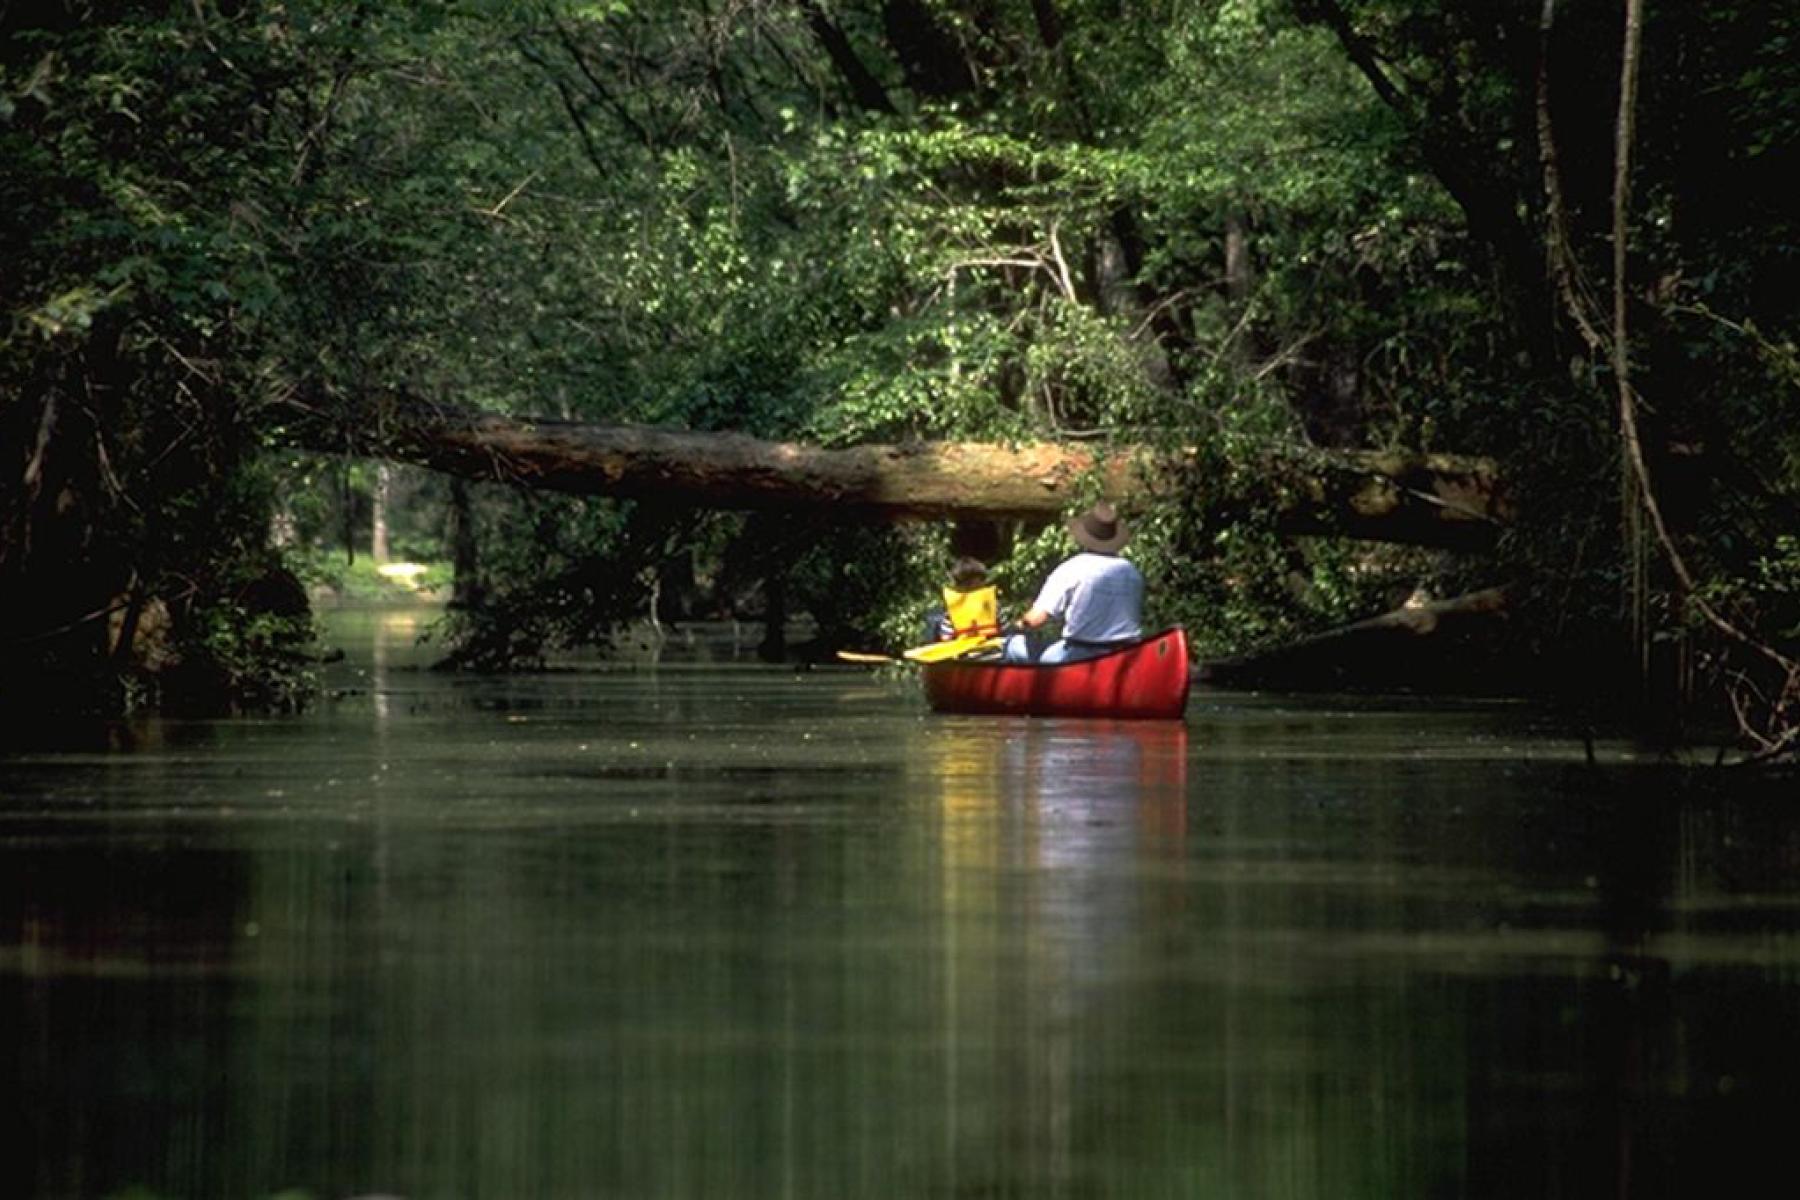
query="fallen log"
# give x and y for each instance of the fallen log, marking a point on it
(1434, 500)
(1454, 643)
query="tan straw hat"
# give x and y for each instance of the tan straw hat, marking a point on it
(1099, 529)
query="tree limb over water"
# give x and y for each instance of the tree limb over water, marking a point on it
(1431, 500)
(1424, 643)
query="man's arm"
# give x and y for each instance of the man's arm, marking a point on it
(1051, 599)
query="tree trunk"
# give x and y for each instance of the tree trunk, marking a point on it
(1115, 281)
(379, 496)
(1477, 182)
(1432, 500)
(774, 640)
(1240, 274)
(864, 87)
(465, 578)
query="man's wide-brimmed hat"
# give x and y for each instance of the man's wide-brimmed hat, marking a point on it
(1099, 529)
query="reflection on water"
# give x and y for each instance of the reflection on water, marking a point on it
(1055, 849)
(725, 931)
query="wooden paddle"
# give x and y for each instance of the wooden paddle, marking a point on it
(935, 652)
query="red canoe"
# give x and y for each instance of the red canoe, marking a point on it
(1145, 680)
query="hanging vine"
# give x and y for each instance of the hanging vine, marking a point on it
(1766, 707)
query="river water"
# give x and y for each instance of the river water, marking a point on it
(718, 929)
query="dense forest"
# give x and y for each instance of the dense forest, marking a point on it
(1244, 263)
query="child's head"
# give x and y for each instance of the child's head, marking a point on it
(968, 573)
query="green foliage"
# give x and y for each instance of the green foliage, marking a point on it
(362, 580)
(1237, 228)
(560, 572)
(1226, 571)
(869, 586)
(260, 660)
(783, 267)
(1777, 583)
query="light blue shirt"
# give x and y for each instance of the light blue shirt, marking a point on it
(1100, 598)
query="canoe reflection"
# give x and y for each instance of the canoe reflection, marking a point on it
(1062, 846)
(1068, 789)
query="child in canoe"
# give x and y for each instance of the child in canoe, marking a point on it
(971, 604)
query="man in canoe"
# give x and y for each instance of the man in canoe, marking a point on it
(1098, 596)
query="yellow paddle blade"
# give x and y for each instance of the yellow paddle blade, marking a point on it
(954, 648)
(864, 656)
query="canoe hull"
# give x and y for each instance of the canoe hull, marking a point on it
(1147, 680)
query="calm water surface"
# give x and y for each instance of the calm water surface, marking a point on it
(731, 931)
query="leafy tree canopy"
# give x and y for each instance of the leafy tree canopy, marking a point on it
(1249, 227)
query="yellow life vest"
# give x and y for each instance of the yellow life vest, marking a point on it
(973, 613)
